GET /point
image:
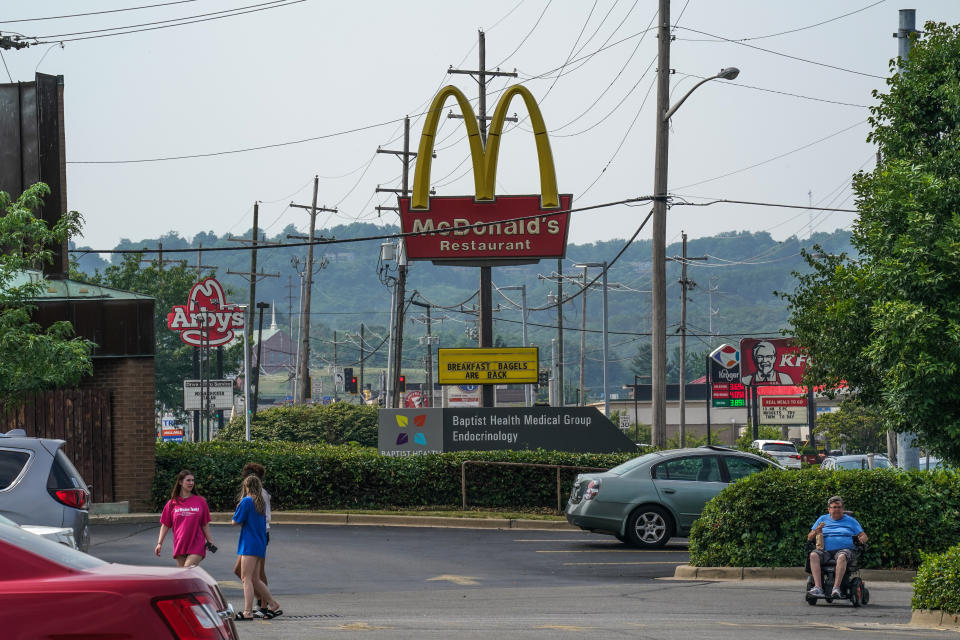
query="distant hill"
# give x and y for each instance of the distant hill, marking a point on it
(733, 295)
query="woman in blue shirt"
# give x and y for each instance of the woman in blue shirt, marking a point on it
(252, 548)
(838, 530)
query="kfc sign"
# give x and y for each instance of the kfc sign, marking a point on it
(207, 320)
(771, 361)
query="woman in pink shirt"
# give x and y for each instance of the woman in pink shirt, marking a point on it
(189, 517)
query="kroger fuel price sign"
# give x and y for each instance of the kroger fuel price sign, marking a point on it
(485, 229)
(516, 365)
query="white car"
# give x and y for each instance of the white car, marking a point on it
(63, 535)
(783, 451)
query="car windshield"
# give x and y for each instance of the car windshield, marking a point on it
(53, 551)
(632, 464)
(779, 447)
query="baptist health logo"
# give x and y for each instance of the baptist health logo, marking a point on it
(418, 438)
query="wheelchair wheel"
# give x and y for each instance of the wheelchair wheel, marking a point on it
(865, 596)
(856, 592)
(806, 596)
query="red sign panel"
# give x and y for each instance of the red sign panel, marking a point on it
(207, 320)
(509, 228)
(775, 361)
(728, 394)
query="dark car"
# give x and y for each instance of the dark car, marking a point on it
(51, 591)
(647, 500)
(40, 486)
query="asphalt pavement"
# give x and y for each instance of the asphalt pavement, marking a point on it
(434, 582)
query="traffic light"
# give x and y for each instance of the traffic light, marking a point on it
(352, 384)
(402, 384)
(349, 380)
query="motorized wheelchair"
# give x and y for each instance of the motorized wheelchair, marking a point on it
(852, 587)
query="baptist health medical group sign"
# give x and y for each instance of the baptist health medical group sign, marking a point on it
(410, 432)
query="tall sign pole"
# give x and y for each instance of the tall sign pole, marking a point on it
(658, 327)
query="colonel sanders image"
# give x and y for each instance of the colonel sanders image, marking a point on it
(764, 356)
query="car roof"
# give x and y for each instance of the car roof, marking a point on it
(774, 442)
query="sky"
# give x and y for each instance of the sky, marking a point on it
(261, 101)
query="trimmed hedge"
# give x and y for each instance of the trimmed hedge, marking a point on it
(337, 423)
(305, 476)
(937, 585)
(763, 520)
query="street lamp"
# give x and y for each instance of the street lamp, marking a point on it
(658, 327)
(603, 265)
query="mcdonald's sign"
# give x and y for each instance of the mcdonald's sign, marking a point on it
(485, 229)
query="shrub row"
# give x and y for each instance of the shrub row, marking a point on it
(937, 585)
(337, 423)
(763, 520)
(321, 476)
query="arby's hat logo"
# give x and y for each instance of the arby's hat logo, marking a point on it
(207, 320)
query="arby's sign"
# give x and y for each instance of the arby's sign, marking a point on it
(207, 320)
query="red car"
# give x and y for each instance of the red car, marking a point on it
(58, 592)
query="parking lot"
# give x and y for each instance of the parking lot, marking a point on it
(412, 582)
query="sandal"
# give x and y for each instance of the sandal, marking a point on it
(269, 614)
(239, 617)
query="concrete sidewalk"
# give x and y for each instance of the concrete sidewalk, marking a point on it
(689, 572)
(306, 517)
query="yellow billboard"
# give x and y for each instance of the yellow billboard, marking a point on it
(510, 365)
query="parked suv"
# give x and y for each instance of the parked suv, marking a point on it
(783, 451)
(39, 485)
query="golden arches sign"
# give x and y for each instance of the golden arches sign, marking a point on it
(484, 160)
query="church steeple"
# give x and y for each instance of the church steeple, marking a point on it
(273, 316)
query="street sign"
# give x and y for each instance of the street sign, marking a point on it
(219, 394)
(327, 400)
(624, 422)
(517, 365)
(316, 387)
(338, 379)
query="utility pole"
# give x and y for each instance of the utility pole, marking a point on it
(256, 376)
(908, 455)
(361, 359)
(583, 338)
(400, 286)
(303, 379)
(685, 284)
(485, 314)
(336, 391)
(658, 327)
(198, 355)
(428, 340)
(251, 276)
(560, 399)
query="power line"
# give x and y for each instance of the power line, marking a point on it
(179, 22)
(787, 93)
(786, 55)
(97, 13)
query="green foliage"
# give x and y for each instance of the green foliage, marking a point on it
(937, 585)
(763, 520)
(887, 322)
(858, 428)
(31, 358)
(304, 476)
(337, 423)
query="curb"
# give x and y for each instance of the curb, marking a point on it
(280, 517)
(689, 572)
(935, 619)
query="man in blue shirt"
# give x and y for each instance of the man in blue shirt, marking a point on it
(838, 530)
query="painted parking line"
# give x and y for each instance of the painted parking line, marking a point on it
(608, 551)
(573, 564)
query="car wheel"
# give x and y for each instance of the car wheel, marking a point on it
(649, 527)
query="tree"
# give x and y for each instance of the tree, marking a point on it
(31, 358)
(173, 362)
(854, 426)
(888, 323)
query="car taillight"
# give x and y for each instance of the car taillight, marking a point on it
(593, 488)
(194, 616)
(75, 498)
